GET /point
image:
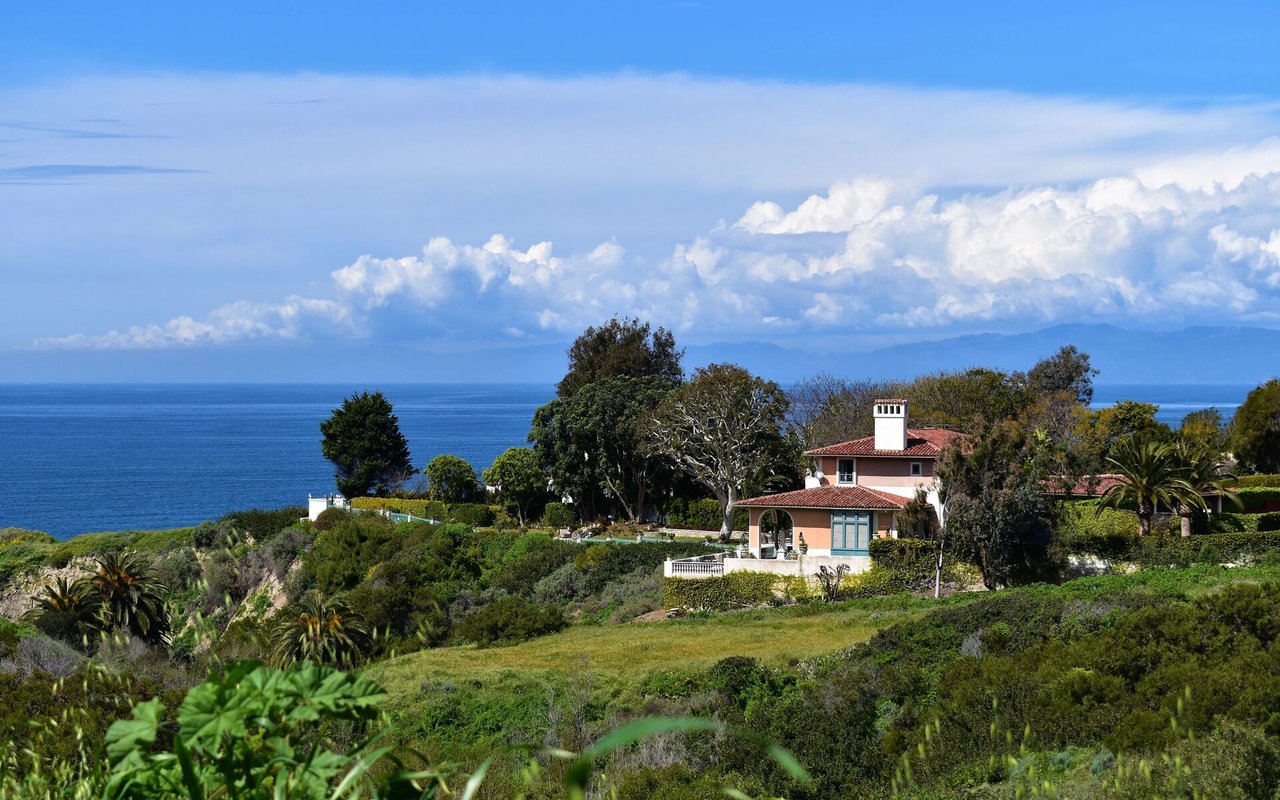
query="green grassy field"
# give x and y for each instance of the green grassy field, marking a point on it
(774, 636)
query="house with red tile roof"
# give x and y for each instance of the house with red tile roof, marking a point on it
(852, 494)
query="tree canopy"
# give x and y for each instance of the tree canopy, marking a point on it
(1066, 372)
(724, 429)
(451, 479)
(362, 440)
(994, 499)
(519, 479)
(1255, 431)
(621, 348)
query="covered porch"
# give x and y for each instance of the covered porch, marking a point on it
(820, 522)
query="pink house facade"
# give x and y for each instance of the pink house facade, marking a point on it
(853, 493)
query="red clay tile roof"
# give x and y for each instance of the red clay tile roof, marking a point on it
(921, 443)
(1091, 485)
(855, 497)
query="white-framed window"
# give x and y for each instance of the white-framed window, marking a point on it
(916, 469)
(845, 471)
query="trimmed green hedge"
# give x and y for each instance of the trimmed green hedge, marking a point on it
(1171, 550)
(1255, 498)
(477, 515)
(721, 592)
(1249, 481)
(430, 509)
(904, 555)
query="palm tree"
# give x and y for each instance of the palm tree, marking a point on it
(129, 596)
(62, 609)
(1151, 476)
(1205, 472)
(316, 629)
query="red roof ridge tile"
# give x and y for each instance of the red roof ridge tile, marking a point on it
(824, 497)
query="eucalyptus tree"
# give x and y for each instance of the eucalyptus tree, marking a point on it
(724, 429)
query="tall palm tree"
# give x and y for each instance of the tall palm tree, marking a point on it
(129, 596)
(1205, 472)
(1151, 476)
(319, 629)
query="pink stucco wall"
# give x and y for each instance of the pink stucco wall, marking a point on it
(880, 471)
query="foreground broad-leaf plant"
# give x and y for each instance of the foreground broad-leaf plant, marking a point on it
(257, 732)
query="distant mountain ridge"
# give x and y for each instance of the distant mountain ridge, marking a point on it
(1193, 355)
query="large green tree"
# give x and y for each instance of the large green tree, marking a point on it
(994, 499)
(724, 429)
(362, 440)
(1124, 421)
(1255, 431)
(519, 479)
(1066, 372)
(1204, 428)
(965, 400)
(592, 441)
(451, 479)
(618, 348)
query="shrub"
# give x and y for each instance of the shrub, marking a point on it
(912, 556)
(540, 556)
(178, 570)
(559, 515)
(343, 555)
(476, 515)
(330, 517)
(207, 535)
(509, 620)
(701, 515)
(264, 523)
(562, 585)
(1269, 522)
(720, 592)
(601, 563)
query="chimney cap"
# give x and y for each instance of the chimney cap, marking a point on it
(888, 400)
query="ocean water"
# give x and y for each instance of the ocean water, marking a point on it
(82, 458)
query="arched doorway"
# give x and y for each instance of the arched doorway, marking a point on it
(777, 529)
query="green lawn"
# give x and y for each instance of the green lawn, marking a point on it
(774, 636)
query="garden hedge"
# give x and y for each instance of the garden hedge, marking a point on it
(430, 509)
(1249, 481)
(1170, 550)
(1256, 498)
(721, 592)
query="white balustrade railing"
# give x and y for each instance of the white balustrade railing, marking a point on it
(695, 567)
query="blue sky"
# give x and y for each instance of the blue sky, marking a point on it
(437, 177)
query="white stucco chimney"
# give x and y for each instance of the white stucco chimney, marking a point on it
(891, 424)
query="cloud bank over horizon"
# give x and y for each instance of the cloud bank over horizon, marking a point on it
(1196, 239)
(726, 210)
